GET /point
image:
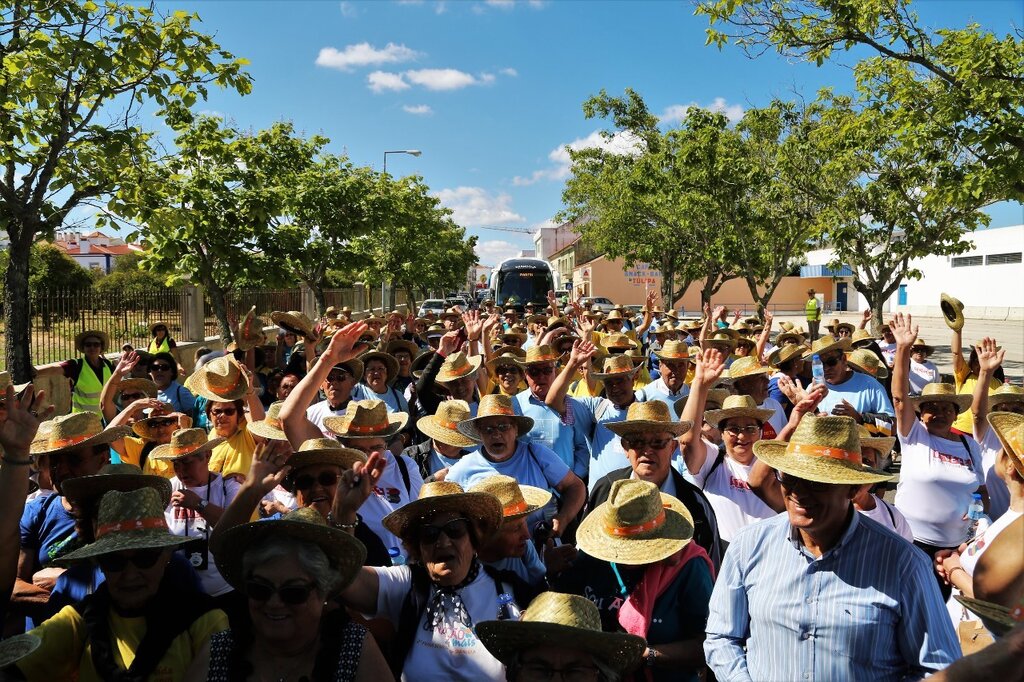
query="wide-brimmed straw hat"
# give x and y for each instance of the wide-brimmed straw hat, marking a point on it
(566, 621)
(650, 416)
(458, 365)
(822, 449)
(420, 361)
(747, 367)
(826, 343)
(122, 477)
(996, 617)
(554, 322)
(716, 396)
(367, 419)
(1007, 393)
(270, 427)
(399, 345)
(638, 525)
(184, 443)
(221, 380)
(516, 500)
(861, 338)
(539, 355)
(616, 366)
(673, 350)
(440, 497)
(144, 428)
(353, 366)
(127, 521)
(293, 321)
(323, 451)
(250, 331)
(504, 356)
(942, 393)
(344, 553)
(80, 430)
(722, 340)
(494, 405)
(793, 334)
(133, 386)
(783, 354)
(451, 312)
(882, 444)
(6, 380)
(867, 362)
(618, 342)
(737, 406)
(434, 331)
(952, 312)
(443, 425)
(921, 345)
(390, 364)
(15, 648)
(1009, 428)
(80, 338)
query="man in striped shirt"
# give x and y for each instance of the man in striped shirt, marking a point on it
(821, 592)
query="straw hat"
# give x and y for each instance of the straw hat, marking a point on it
(517, 331)
(458, 365)
(867, 362)
(537, 319)
(921, 345)
(554, 322)
(374, 318)
(1009, 428)
(737, 406)
(1007, 393)
(250, 331)
(651, 416)
(353, 366)
(15, 648)
(434, 331)
(566, 621)
(564, 343)
(516, 500)
(80, 338)
(615, 366)
(128, 520)
(5, 381)
(450, 313)
(783, 354)
(795, 336)
(494, 405)
(673, 350)
(121, 477)
(143, 428)
(439, 497)
(836, 326)
(420, 361)
(538, 355)
(716, 396)
(344, 553)
(510, 311)
(390, 364)
(882, 444)
(443, 425)
(367, 419)
(822, 449)
(721, 340)
(826, 343)
(996, 617)
(399, 345)
(270, 426)
(80, 430)
(747, 367)
(861, 338)
(129, 386)
(323, 451)
(185, 442)
(638, 525)
(952, 312)
(664, 328)
(942, 393)
(508, 357)
(293, 321)
(618, 342)
(614, 315)
(221, 380)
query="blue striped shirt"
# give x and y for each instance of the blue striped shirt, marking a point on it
(867, 609)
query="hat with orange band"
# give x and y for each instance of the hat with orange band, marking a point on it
(367, 419)
(443, 425)
(78, 430)
(495, 405)
(440, 497)
(185, 443)
(516, 500)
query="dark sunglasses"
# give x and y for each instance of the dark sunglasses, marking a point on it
(793, 482)
(225, 412)
(324, 478)
(737, 430)
(495, 428)
(142, 559)
(643, 444)
(288, 594)
(831, 361)
(539, 371)
(163, 423)
(454, 529)
(159, 368)
(132, 397)
(338, 377)
(507, 369)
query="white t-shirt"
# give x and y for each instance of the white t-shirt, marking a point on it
(922, 374)
(389, 495)
(317, 412)
(937, 479)
(451, 651)
(890, 517)
(771, 428)
(998, 493)
(735, 504)
(977, 546)
(888, 351)
(189, 523)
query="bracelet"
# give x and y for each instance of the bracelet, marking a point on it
(955, 569)
(343, 526)
(17, 462)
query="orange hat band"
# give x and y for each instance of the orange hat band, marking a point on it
(273, 423)
(179, 450)
(498, 411)
(373, 428)
(451, 426)
(151, 523)
(71, 440)
(823, 451)
(514, 508)
(225, 390)
(627, 531)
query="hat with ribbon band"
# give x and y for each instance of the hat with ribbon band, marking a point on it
(440, 497)
(185, 443)
(221, 380)
(458, 365)
(615, 366)
(443, 425)
(367, 419)
(494, 405)
(865, 360)
(270, 427)
(516, 500)
(942, 393)
(651, 416)
(79, 430)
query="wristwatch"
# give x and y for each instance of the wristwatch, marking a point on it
(651, 658)
(201, 506)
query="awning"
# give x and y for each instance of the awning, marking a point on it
(825, 271)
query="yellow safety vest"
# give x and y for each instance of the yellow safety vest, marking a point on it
(164, 346)
(811, 309)
(85, 396)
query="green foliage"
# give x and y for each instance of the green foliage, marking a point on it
(50, 268)
(129, 277)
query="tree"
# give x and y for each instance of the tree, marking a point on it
(129, 277)
(961, 88)
(73, 78)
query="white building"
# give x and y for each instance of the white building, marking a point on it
(94, 251)
(551, 240)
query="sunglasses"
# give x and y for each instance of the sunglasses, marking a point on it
(831, 360)
(142, 559)
(642, 444)
(293, 595)
(324, 478)
(793, 482)
(159, 368)
(163, 423)
(132, 397)
(495, 428)
(539, 371)
(225, 412)
(338, 377)
(746, 430)
(507, 369)
(454, 529)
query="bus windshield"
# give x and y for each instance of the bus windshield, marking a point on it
(520, 287)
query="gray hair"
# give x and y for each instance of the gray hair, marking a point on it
(311, 558)
(605, 673)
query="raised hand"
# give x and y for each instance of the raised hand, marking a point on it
(473, 324)
(718, 314)
(708, 366)
(652, 299)
(990, 356)
(790, 389)
(269, 466)
(22, 422)
(345, 343)
(903, 329)
(768, 318)
(581, 353)
(356, 485)
(808, 403)
(126, 364)
(867, 315)
(552, 302)
(449, 343)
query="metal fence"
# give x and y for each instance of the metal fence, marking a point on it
(239, 303)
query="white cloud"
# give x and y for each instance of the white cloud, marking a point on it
(440, 7)
(509, 72)
(364, 54)
(493, 251)
(501, 4)
(475, 206)
(677, 112)
(510, 4)
(418, 109)
(380, 81)
(619, 143)
(444, 79)
(349, 10)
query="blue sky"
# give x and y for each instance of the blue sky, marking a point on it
(491, 91)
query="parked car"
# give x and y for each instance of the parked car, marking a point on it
(457, 301)
(432, 305)
(599, 302)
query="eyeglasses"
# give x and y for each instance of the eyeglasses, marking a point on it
(495, 428)
(132, 397)
(338, 377)
(366, 449)
(163, 423)
(324, 478)
(224, 412)
(454, 529)
(257, 590)
(749, 430)
(506, 369)
(159, 368)
(540, 371)
(541, 672)
(643, 444)
(794, 482)
(142, 559)
(831, 360)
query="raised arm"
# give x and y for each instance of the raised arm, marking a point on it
(267, 471)
(864, 319)
(708, 367)
(474, 340)
(990, 357)
(255, 412)
(960, 368)
(762, 340)
(110, 389)
(581, 353)
(652, 297)
(905, 333)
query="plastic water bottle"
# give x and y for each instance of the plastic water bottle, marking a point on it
(817, 370)
(396, 557)
(976, 516)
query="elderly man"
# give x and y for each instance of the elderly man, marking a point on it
(510, 549)
(497, 428)
(673, 364)
(822, 592)
(851, 394)
(750, 377)
(89, 372)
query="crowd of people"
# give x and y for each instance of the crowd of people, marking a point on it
(518, 495)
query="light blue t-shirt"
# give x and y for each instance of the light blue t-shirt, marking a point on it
(532, 464)
(529, 567)
(606, 453)
(393, 398)
(860, 390)
(656, 390)
(568, 441)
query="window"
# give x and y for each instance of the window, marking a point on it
(1003, 258)
(968, 261)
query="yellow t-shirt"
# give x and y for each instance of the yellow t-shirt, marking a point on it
(234, 456)
(66, 655)
(154, 467)
(965, 383)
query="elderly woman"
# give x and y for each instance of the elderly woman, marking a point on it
(506, 376)
(379, 373)
(162, 341)
(941, 469)
(290, 570)
(229, 388)
(163, 370)
(444, 591)
(922, 370)
(561, 633)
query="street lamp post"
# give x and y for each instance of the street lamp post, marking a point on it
(410, 152)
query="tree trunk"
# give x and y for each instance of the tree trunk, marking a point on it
(17, 313)
(218, 299)
(410, 298)
(318, 297)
